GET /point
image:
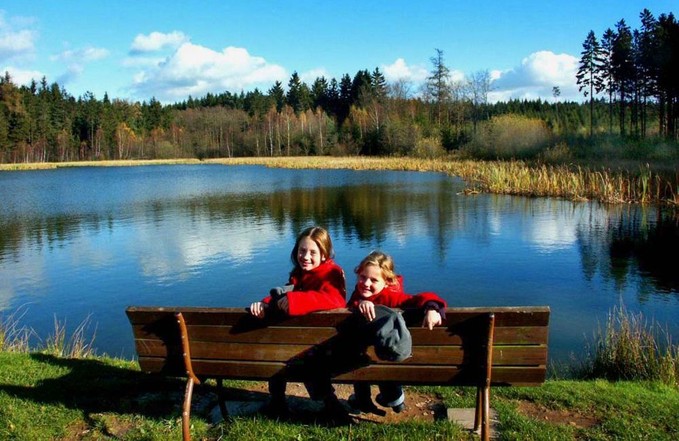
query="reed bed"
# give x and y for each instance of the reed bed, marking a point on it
(631, 348)
(16, 338)
(645, 186)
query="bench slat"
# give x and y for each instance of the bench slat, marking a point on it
(288, 335)
(434, 355)
(408, 375)
(438, 336)
(505, 316)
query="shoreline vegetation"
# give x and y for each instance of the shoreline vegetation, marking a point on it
(625, 184)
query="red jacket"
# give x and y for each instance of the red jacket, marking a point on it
(394, 297)
(317, 290)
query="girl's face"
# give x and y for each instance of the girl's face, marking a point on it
(308, 254)
(370, 281)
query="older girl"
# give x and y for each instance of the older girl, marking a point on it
(316, 283)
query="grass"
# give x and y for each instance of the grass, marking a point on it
(45, 397)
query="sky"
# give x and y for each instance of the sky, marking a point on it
(170, 50)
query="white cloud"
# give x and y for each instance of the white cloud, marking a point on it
(310, 76)
(399, 70)
(157, 41)
(75, 60)
(21, 76)
(15, 42)
(195, 70)
(535, 78)
(79, 56)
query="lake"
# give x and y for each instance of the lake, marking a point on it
(79, 245)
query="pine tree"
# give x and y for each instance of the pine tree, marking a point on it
(588, 76)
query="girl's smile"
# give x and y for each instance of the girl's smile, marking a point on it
(370, 281)
(308, 254)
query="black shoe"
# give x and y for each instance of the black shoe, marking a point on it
(397, 408)
(365, 405)
(335, 412)
(277, 408)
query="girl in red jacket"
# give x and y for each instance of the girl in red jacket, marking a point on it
(378, 284)
(316, 283)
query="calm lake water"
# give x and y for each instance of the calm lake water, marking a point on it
(82, 244)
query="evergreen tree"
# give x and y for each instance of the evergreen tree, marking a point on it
(298, 94)
(623, 68)
(277, 94)
(319, 94)
(608, 83)
(438, 84)
(588, 76)
(647, 48)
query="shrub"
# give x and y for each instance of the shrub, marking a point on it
(509, 137)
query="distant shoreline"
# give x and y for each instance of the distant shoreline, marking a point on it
(627, 183)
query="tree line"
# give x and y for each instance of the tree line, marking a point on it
(359, 114)
(635, 69)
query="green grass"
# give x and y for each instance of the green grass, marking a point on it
(46, 397)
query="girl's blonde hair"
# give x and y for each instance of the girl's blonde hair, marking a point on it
(322, 239)
(384, 262)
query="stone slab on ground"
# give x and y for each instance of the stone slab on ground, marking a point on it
(465, 418)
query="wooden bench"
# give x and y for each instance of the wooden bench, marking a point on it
(480, 347)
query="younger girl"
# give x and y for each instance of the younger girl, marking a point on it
(316, 283)
(378, 284)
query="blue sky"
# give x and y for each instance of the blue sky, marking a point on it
(169, 50)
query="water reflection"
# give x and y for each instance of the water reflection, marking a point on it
(207, 235)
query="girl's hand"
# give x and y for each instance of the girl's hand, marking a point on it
(431, 318)
(367, 308)
(258, 309)
(283, 304)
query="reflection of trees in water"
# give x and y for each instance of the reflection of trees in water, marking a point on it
(368, 213)
(40, 232)
(625, 240)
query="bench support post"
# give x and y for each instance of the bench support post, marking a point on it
(482, 415)
(191, 377)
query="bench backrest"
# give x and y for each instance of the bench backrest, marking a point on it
(230, 343)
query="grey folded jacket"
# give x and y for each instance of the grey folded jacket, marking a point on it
(392, 339)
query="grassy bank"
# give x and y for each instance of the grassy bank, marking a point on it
(628, 182)
(45, 397)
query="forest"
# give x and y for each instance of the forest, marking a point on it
(629, 79)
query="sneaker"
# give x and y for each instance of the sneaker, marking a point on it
(397, 408)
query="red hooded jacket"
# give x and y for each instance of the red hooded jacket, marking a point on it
(320, 289)
(394, 297)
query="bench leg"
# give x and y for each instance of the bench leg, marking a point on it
(221, 398)
(482, 414)
(485, 423)
(186, 411)
(479, 409)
